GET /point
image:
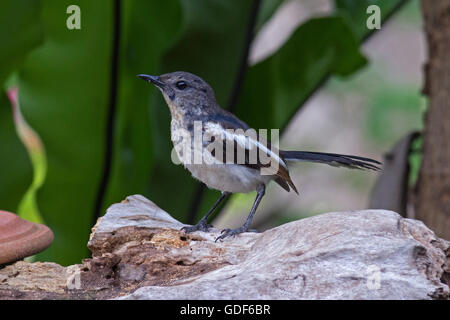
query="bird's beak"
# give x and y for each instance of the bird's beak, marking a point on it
(153, 79)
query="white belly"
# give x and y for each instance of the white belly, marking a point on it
(224, 177)
(228, 177)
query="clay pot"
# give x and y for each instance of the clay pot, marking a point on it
(20, 238)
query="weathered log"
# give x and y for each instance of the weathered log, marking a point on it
(139, 252)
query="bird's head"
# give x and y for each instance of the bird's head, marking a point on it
(184, 90)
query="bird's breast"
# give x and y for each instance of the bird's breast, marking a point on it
(228, 177)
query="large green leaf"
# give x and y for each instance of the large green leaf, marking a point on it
(280, 84)
(21, 31)
(64, 90)
(149, 29)
(15, 167)
(80, 93)
(268, 8)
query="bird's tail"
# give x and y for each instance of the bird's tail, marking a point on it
(332, 159)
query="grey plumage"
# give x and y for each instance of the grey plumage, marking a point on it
(190, 100)
(332, 159)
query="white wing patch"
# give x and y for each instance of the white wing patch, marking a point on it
(246, 140)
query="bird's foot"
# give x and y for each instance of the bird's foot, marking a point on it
(233, 232)
(202, 225)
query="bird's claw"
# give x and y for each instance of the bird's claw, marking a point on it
(230, 232)
(200, 226)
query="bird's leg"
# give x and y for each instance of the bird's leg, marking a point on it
(203, 225)
(232, 232)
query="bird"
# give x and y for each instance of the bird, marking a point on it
(195, 112)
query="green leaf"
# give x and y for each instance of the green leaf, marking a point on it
(21, 31)
(28, 208)
(280, 84)
(134, 149)
(91, 112)
(63, 93)
(15, 167)
(268, 8)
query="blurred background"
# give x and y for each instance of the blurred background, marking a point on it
(363, 114)
(79, 131)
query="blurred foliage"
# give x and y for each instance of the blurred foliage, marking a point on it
(411, 13)
(415, 159)
(268, 8)
(332, 49)
(355, 12)
(15, 167)
(391, 113)
(106, 133)
(21, 31)
(392, 108)
(28, 208)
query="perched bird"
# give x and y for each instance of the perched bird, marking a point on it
(194, 110)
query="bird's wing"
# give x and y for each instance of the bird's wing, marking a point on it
(239, 144)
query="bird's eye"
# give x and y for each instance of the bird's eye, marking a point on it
(181, 85)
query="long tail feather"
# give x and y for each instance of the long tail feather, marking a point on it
(332, 159)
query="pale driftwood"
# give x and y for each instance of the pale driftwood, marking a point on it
(140, 253)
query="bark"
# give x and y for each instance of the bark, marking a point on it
(433, 190)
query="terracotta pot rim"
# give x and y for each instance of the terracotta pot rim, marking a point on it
(20, 238)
